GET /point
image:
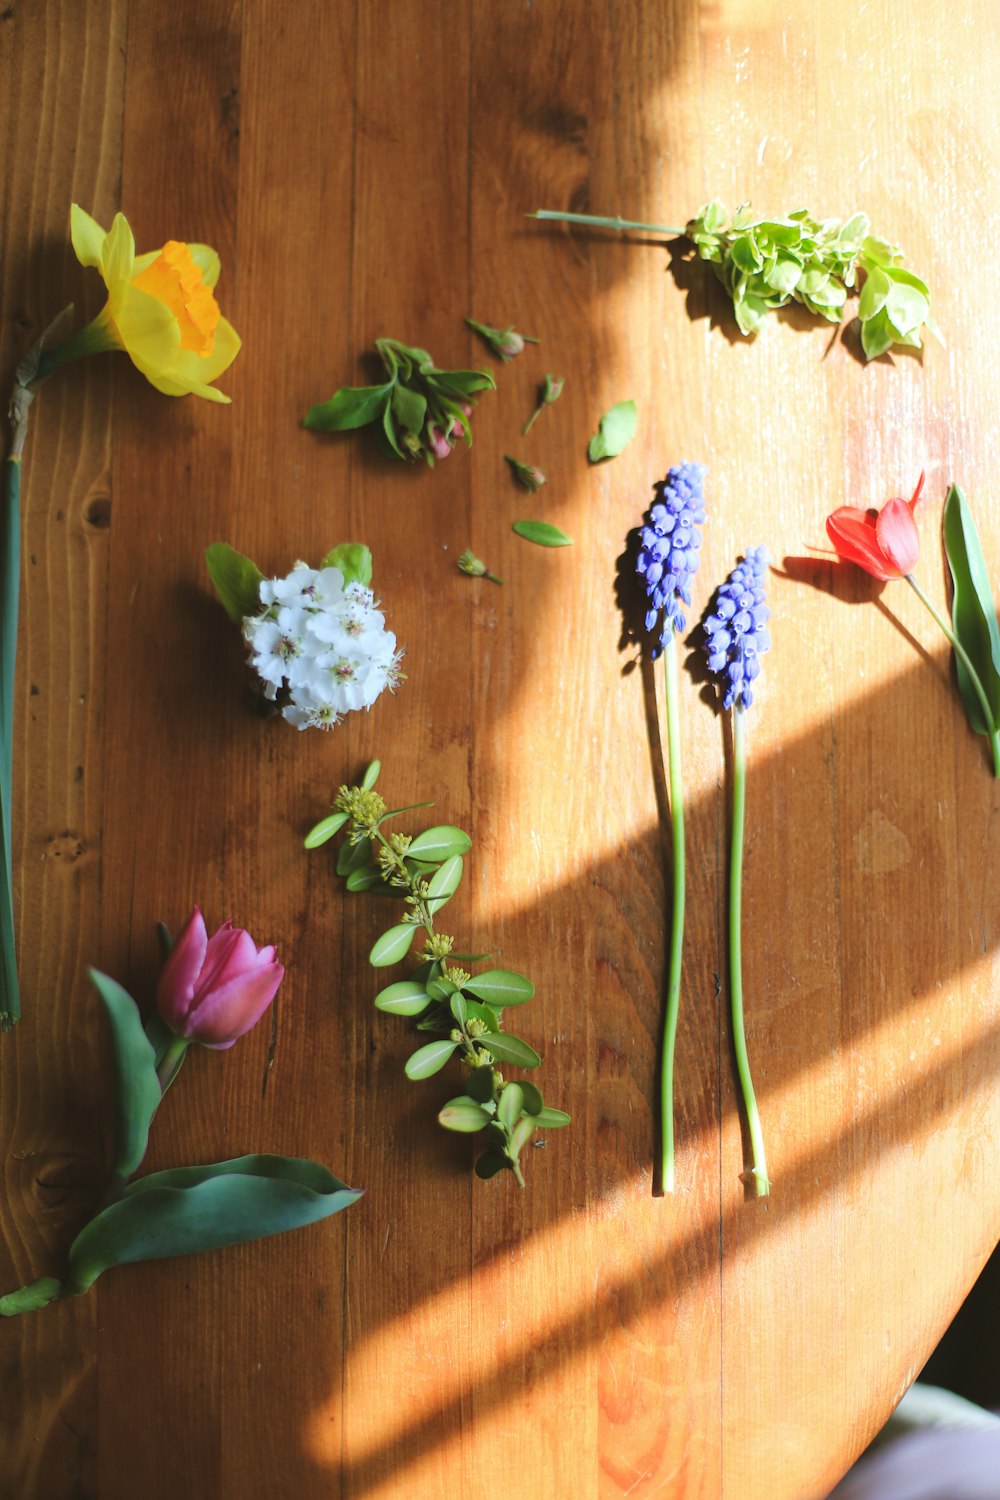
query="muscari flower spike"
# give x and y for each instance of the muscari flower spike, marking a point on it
(670, 540)
(735, 637)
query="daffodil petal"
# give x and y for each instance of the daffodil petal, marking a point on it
(88, 238)
(208, 263)
(118, 257)
(148, 330)
(201, 368)
(170, 384)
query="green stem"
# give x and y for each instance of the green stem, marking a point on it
(170, 1063)
(669, 1039)
(956, 645)
(762, 1186)
(597, 222)
(10, 577)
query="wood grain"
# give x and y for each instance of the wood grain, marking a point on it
(364, 170)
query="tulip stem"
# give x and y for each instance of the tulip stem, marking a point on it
(170, 1063)
(956, 645)
(758, 1169)
(597, 222)
(669, 1039)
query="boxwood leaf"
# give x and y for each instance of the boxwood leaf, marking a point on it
(552, 1119)
(464, 1114)
(510, 1104)
(511, 1049)
(189, 1209)
(354, 856)
(325, 829)
(440, 843)
(429, 1059)
(364, 879)
(616, 431)
(354, 560)
(407, 998)
(972, 610)
(542, 533)
(137, 1088)
(237, 580)
(392, 945)
(373, 768)
(444, 883)
(500, 987)
(532, 1097)
(491, 1162)
(350, 407)
(481, 1084)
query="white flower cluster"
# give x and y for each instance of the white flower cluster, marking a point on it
(326, 641)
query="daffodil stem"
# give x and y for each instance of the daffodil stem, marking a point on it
(669, 1040)
(758, 1168)
(993, 729)
(597, 222)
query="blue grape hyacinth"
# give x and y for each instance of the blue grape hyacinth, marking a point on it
(735, 637)
(669, 545)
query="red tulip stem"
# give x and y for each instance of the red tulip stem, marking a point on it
(669, 1039)
(993, 730)
(758, 1169)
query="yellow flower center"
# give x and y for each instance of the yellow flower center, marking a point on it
(175, 278)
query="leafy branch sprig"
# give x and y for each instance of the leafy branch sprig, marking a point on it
(419, 412)
(463, 1009)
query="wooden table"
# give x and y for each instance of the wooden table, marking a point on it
(364, 170)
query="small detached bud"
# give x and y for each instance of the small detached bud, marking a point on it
(506, 342)
(526, 474)
(551, 390)
(475, 567)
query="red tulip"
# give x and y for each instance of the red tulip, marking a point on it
(213, 989)
(883, 542)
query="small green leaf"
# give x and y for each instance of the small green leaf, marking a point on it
(482, 1082)
(511, 1049)
(477, 1012)
(500, 987)
(31, 1297)
(468, 958)
(542, 533)
(465, 1115)
(137, 1088)
(190, 1209)
(459, 1007)
(463, 382)
(616, 431)
(972, 611)
(409, 408)
(552, 1119)
(444, 883)
(491, 1162)
(237, 580)
(364, 879)
(324, 829)
(430, 1059)
(392, 946)
(510, 1104)
(354, 560)
(440, 843)
(407, 998)
(532, 1097)
(372, 771)
(354, 856)
(441, 989)
(351, 407)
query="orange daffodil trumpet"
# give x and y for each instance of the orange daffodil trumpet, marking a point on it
(161, 309)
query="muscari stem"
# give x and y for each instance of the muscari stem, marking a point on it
(974, 678)
(669, 1040)
(762, 1186)
(10, 577)
(597, 222)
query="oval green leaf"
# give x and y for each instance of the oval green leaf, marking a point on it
(500, 987)
(403, 999)
(616, 431)
(349, 408)
(325, 829)
(237, 580)
(552, 1119)
(353, 856)
(430, 1059)
(972, 612)
(490, 1163)
(392, 946)
(354, 560)
(444, 883)
(533, 1103)
(189, 1209)
(363, 880)
(436, 844)
(511, 1049)
(441, 989)
(459, 1007)
(481, 1084)
(510, 1104)
(465, 1115)
(137, 1088)
(542, 534)
(476, 1012)
(374, 768)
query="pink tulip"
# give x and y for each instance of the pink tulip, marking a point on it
(213, 989)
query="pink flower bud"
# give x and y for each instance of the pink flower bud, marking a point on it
(213, 989)
(437, 442)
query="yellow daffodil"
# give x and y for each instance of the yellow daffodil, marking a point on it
(160, 309)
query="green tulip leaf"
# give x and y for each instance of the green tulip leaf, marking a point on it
(512, 1050)
(237, 580)
(349, 408)
(407, 998)
(137, 1088)
(500, 987)
(973, 612)
(444, 883)
(190, 1209)
(392, 945)
(616, 431)
(465, 1115)
(439, 843)
(31, 1297)
(353, 559)
(325, 829)
(542, 534)
(429, 1059)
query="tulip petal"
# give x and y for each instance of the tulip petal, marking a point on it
(235, 1006)
(853, 535)
(118, 256)
(230, 952)
(179, 975)
(88, 238)
(202, 369)
(898, 537)
(148, 330)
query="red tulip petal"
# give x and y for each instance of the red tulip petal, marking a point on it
(179, 975)
(916, 493)
(853, 534)
(225, 956)
(898, 537)
(226, 1012)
